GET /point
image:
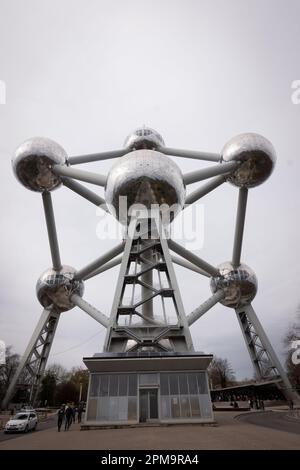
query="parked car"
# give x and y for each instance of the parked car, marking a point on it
(23, 421)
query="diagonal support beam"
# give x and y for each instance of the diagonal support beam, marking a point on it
(85, 193)
(90, 268)
(147, 286)
(81, 175)
(188, 265)
(105, 267)
(203, 308)
(147, 319)
(132, 334)
(96, 157)
(51, 228)
(239, 227)
(204, 173)
(207, 156)
(144, 300)
(90, 310)
(205, 189)
(188, 255)
(47, 315)
(146, 278)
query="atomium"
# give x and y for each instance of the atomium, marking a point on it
(239, 285)
(257, 157)
(56, 287)
(145, 177)
(33, 163)
(144, 138)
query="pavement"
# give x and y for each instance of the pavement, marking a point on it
(257, 430)
(274, 420)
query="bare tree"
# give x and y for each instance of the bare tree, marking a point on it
(48, 389)
(80, 378)
(8, 370)
(58, 371)
(66, 392)
(221, 373)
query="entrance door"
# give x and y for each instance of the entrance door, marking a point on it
(148, 404)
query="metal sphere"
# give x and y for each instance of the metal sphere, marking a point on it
(144, 138)
(239, 284)
(33, 163)
(56, 287)
(257, 155)
(145, 177)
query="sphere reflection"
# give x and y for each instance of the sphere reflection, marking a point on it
(145, 177)
(33, 163)
(238, 284)
(56, 287)
(144, 138)
(257, 155)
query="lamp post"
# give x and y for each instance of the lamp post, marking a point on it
(80, 391)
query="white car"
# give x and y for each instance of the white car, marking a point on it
(23, 421)
(27, 409)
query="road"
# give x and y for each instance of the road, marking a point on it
(50, 422)
(267, 431)
(274, 420)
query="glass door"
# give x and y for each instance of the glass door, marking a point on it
(148, 404)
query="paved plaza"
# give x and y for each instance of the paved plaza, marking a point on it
(270, 430)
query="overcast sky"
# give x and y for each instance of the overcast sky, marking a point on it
(85, 73)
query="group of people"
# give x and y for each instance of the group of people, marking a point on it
(253, 402)
(256, 404)
(67, 415)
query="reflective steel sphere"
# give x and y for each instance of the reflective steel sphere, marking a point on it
(239, 284)
(56, 287)
(257, 155)
(33, 163)
(145, 177)
(144, 138)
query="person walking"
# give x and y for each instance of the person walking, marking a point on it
(74, 413)
(79, 414)
(262, 405)
(60, 417)
(69, 417)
